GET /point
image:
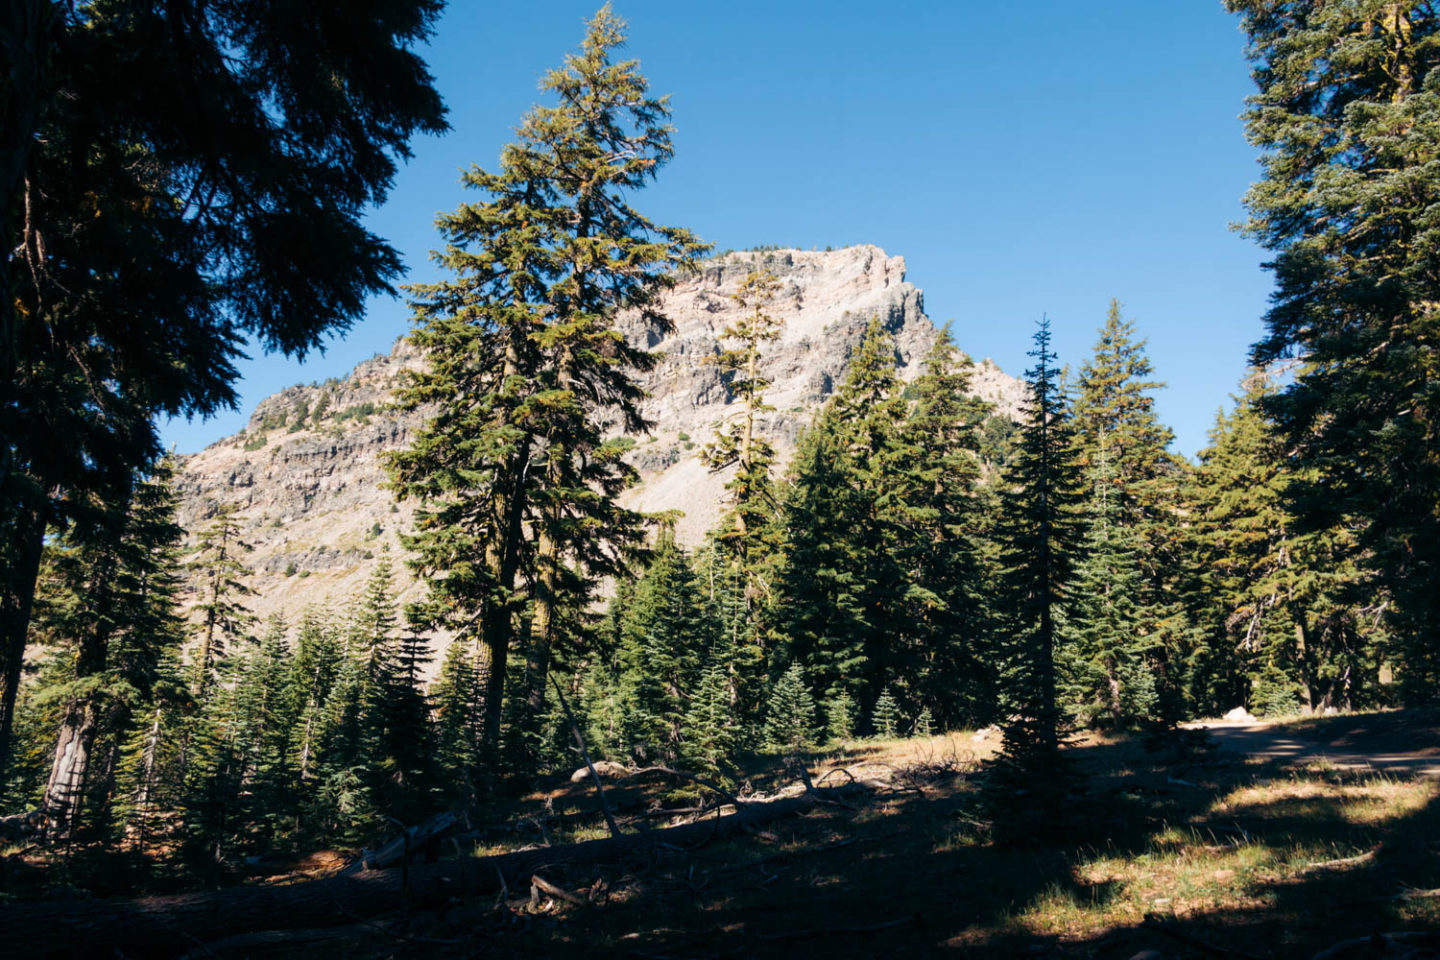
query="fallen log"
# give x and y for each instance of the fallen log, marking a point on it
(409, 840)
(170, 926)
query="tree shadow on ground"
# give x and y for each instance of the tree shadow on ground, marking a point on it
(1190, 854)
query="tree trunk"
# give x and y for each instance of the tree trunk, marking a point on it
(68, 772)
(502, 557)
(149, 758)
(24, 32)
(102, 774)
(17, 595)
(70, 769)
(542, 628)
(497, 621)
(1308, 693)
(1049, 735)
(24, 36)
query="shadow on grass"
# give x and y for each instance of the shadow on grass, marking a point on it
(1190, 855)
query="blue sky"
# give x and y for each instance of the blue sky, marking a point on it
(1024, 159)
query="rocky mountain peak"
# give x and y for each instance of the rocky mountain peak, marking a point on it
(306, 473)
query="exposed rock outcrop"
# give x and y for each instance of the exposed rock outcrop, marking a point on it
(307, 472)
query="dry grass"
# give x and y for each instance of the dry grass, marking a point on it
(1243, 856)
(1164, 848)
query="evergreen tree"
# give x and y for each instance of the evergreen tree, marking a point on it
(528, 370)
(215, 764)
(406, 714)
(943, 653)
(663, 641)
(345, 803)
(843, 587)
(372, 738)
(264, 719)
(395, 744)
(111, 605)
(221, 611)
(1039, 546)
(150, 779)
(1109, 641)
(925, 723)
(742, 632)
(708, 733)
(458, 696)
(840, 717)
(1115, 421)
(790, 712)
(313, 671)
(746, 530)
(1295, 614)
(146, 242)
(886, 717)
(601, 698)
(1346, 110)
(1113, 407)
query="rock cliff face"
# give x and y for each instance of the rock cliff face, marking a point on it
(307, 472)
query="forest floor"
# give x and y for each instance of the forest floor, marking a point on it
(1268, 843)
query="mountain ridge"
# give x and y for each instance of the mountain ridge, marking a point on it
(306, 478)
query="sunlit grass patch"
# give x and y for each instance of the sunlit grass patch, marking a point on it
(1173, 878)
(1252, 842)
(1372, 800)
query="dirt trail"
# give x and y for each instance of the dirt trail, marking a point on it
(1397, 742)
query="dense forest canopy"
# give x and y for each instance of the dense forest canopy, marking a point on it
(923, 563)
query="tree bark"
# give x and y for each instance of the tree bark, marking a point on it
(69, 770)
(542, 627)
(17, 596)
(149, 757)
(1308, 692)
(23, 34)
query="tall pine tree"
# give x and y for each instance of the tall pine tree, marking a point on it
(945, 656)
(746, 530)
(843, 587)
(1040, 540)
(112, 604)
(517, 485)
(1348, 99)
